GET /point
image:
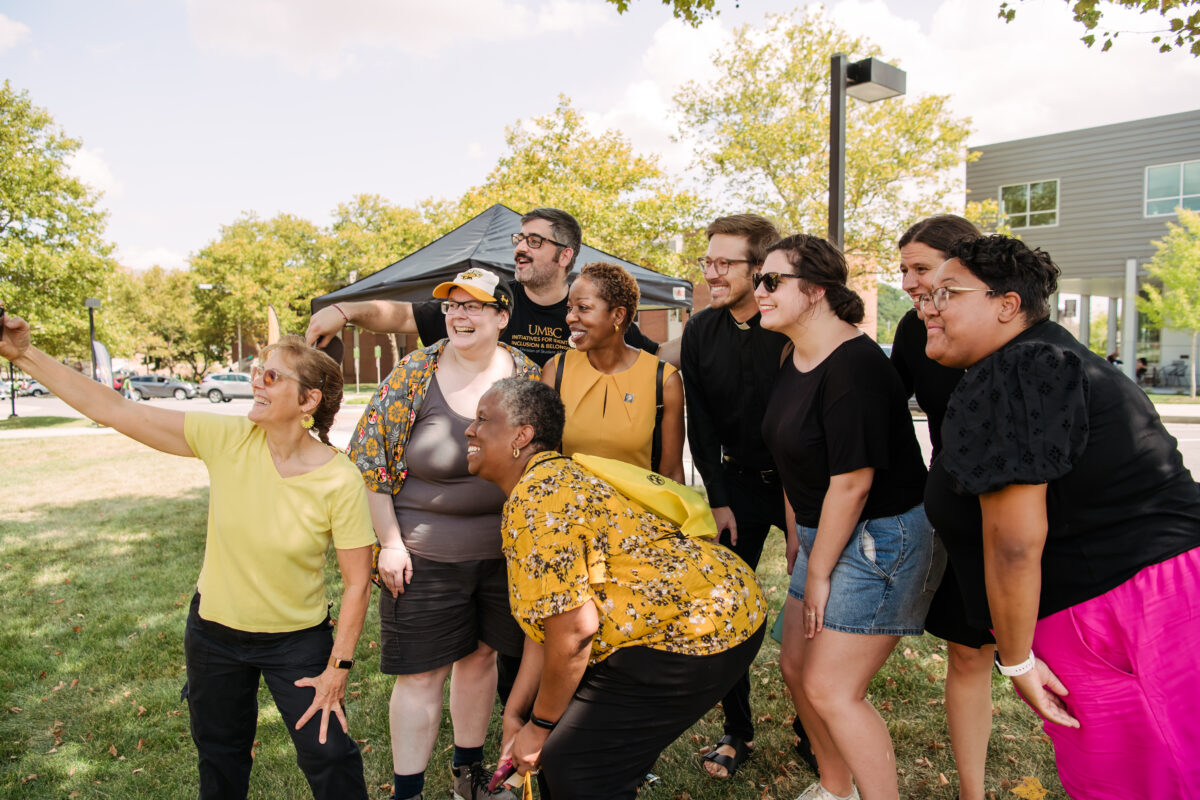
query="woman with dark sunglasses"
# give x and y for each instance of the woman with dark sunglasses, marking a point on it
(278, 497)
(444, 613)
(859, 549)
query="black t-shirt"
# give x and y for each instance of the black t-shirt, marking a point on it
(847, 413)
(1044, 409)
(538, 331)
(930, 381)
(728, 373)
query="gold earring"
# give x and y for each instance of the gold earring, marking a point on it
(307, 421)
(616, 328)
(516, 452)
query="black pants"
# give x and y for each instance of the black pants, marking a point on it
(223, 669)
(626, 711)
(756, 506)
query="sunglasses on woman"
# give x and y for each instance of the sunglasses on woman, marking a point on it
(270, 376)
(770, 279)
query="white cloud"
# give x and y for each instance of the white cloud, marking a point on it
(317, 36)
(90, 166)
(140, 259)
(12, 33)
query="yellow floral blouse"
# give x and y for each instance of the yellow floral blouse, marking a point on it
(569, 537)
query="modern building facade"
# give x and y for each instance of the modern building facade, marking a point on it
(1096, 199)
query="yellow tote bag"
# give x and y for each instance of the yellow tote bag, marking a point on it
(658, 494)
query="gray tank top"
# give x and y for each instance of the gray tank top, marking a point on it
(446, 513)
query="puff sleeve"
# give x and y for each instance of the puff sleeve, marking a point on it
(1020, 416)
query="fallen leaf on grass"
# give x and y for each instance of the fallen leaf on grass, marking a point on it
(1030, 788)
(141, 743)
(112, 749)
(77, 629)
(943, 780)
(138, 771)
(141, 710)
(59, 600)
(15, 709)
(29, 778)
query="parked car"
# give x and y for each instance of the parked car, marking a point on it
(31, 388)
(221, 387)
(139, 387)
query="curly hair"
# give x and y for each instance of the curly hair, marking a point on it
(941, 232)
(821, 264)
(317, 371)
(535, 404)
(615, 286)
(1009, 265)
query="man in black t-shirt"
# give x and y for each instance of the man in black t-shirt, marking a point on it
(729, 365)
(544, 252)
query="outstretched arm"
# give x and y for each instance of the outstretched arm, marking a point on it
(381, 316)
(155, 427)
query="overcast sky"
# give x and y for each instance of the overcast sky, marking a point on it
(193, 111)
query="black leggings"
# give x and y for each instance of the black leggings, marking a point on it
(627, 710)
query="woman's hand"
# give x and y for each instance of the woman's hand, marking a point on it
(526, 748)
(816, 596)
(792, 549)
(15, 339)
(330, 688)
(395, 568)
(1032, 686)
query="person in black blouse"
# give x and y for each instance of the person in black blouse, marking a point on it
(544, 252)
(861, 552)
(1072, 524)
(729, 363)
(923, 248)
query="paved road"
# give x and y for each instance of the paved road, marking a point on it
(1188, 433)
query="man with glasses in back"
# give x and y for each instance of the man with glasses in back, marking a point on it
(544, 252)
(729, 363)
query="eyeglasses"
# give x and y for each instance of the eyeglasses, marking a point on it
(719, 265)
(271, 376)
(770, 279)
(941, 295)
(473, 307)
(535, 241)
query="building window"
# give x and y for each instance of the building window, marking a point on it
(1169, 186)
(1030, 205)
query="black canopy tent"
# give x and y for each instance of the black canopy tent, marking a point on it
(486, 241)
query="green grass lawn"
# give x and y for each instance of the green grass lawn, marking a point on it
(23, 423)
(101, 540)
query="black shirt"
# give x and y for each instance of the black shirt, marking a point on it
(728, 373)
(538, 331)
(920, 374)
(1044, 409)
(848, 412)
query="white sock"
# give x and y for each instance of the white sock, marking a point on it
(838, 796)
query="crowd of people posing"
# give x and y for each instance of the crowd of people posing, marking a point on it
(1054, 536)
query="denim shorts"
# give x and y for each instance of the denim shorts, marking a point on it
(885, 578)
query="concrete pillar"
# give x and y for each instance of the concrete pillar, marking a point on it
(1111, 343)
(1085, 319)
(1129, 320)
(1054, 307)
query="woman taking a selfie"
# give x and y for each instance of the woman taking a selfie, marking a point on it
(278, 498)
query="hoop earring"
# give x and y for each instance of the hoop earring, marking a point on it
(307, 422)
(516, 452)
(616, 328)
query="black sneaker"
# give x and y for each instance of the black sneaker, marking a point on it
(471, 783)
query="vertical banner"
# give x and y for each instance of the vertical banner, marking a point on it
(103, 362)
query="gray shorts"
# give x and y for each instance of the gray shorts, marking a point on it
(443, 615)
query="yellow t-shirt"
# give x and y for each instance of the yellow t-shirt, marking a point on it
(610, 415)
(264, 558)
(569, 537)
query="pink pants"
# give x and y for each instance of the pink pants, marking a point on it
(1130, 659)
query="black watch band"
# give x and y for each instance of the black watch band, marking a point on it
(542, 723)
(341, 663)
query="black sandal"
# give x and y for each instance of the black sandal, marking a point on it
(804, 745)
(741, 752)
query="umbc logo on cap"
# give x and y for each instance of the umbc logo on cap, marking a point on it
(470, 274)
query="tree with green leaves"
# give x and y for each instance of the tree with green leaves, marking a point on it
(625, 202)
(892, 304)
(1180, 20)
(164, 324)
(760, 131)
(52, 252)
(1173, 298)
(282, 262)
(693, 12)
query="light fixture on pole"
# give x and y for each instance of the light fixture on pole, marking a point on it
(92, 304)
(867, 80)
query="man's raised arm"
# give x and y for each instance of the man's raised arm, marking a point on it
(380, 316)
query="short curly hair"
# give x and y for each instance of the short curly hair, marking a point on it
(532, 403)
(1009, 265)
(615, 286)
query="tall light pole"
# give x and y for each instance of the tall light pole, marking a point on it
(92, 304)
(867, 80)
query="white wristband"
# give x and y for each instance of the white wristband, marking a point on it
(1017, 669)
